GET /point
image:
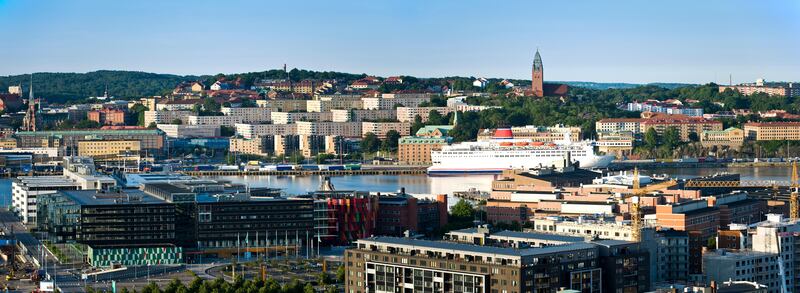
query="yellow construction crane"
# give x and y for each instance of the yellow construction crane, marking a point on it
(794, 208)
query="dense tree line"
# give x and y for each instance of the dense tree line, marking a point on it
(238, 286)
(65, 87)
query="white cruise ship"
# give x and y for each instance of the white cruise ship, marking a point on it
(504, 152)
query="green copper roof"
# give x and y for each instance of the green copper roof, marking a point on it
(444, 129)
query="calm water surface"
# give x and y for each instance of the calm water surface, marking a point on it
(422, 184)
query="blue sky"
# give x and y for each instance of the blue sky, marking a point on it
(605, 41)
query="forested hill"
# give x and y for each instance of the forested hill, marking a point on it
(60, 87)
(64, 87)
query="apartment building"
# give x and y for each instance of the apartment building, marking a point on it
(388, 264)
(357, 115)
(786, 90)
(408, 114)
(291, 117)
(685, 125)
(380, 129)
(780, 236)
(344, 129)
(165, 117)
(743, 265)
(253, 130)
(632, 125)
(258, 146)
(282, 105)
(107, 116)
(324, 103)
(215, 120)
(416, 150)
(250, 114)
(772, 131)
(662, 107)
(390, 101)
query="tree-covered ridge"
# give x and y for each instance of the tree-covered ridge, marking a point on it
(62, 87)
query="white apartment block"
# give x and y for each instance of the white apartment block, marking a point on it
(165, 117)
(632, 125)
(291, 117)
(354, 115)
(333, 103)
(408, 114)
(189, 131)
(344, 129)
(780, 236)
(745, 265)
(250, 114)
(215, 120)
(250, 131)
(388, 101)
(380, 129)
(283, 105)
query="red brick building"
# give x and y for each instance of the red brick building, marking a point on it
(107, 116)
(401, 212)
(695, 215)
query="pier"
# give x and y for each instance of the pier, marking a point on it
(375, 171)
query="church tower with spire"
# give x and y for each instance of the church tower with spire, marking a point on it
(29, 122)
(537, 76)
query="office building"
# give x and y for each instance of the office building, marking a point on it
(189, 131)
(79, 174)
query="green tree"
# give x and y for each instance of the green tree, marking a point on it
(370, 143)
(651, 138)
(340, 274)
(672, 137)
(390, 143)
(226, 131)
(463, 210)
(87, 124)
(210, 105)
(417, 124)
(308, 288)
(177, 121)
(435, 118)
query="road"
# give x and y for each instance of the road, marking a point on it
(65, 279)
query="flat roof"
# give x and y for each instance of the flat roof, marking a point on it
(539, 236)
(454, 247)
(45, 181)
(121, 197)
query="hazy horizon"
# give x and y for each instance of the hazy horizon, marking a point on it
(621, 41)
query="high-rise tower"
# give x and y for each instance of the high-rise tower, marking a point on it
(537, 76)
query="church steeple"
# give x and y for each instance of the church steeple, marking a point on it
(30, 90)
(537, 76)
